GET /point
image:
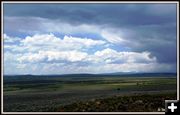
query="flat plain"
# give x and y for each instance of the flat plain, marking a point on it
(88, 92)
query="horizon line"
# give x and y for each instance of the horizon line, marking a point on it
(95, 73)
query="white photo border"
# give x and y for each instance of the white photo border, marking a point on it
(86, 2)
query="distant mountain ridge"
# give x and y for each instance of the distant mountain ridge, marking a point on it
(103, 74)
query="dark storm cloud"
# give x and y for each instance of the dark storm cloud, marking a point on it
(114, 14)
(152, 26)
(160, 40)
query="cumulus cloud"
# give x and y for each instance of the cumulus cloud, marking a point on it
(41, 50)
(111, 56)
(139, 38)
(93, 37)
(50, 41)
(53, 56)
(103, 57)
(8, 39)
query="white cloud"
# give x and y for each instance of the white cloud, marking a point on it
(10, 57)
(14, 48)
(111, 56)
(112, 37)
(10, 62)
(86, 42)
(38, 25)
(105, 56)
(8, 39)
(50, 56)
(49, 41)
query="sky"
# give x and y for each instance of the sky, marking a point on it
(89, 38)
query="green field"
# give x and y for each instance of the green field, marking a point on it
(49, 93)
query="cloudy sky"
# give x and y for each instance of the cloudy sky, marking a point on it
(89, 38)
